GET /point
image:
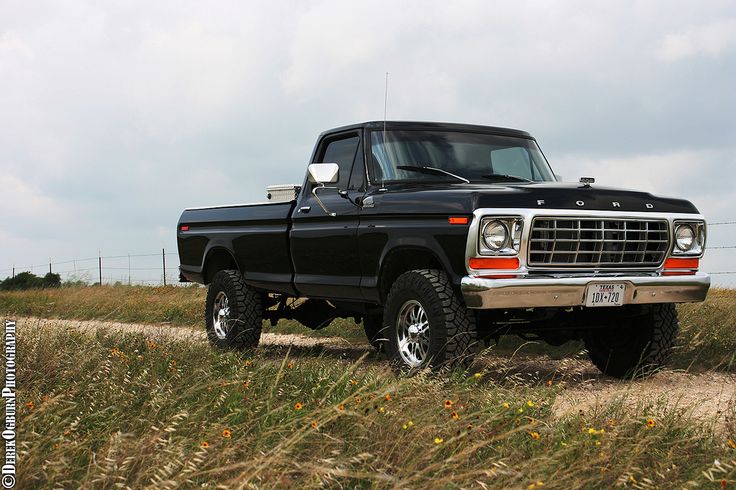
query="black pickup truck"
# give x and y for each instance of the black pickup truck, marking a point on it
(439, 238)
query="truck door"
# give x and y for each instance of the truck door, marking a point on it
(324, 248)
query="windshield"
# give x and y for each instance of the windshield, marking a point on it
(441, 156)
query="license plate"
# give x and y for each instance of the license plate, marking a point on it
(607, 294)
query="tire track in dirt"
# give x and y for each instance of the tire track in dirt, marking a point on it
(584, 389)
(166, 331)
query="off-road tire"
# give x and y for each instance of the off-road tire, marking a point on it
(246, 311)
(638, 348)
(374, 331)
(452, 328)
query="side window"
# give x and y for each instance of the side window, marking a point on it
(512, 161)
(341, 152)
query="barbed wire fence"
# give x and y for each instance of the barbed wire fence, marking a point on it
(162, 268)
(721, 247)
(149, 269)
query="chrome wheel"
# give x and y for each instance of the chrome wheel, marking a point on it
(412, 333)
(221, 315)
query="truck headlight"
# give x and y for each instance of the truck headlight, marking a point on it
(500, 236)
(495, 235)
(684, 237)
(689, 238)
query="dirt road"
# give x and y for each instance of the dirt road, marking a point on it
(706, 395)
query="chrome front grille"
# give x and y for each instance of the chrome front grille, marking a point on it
(596, 242)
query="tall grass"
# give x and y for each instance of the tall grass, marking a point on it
(179, 306)
(707, 339)
(114, 410)
(708, 333)
(146, 304)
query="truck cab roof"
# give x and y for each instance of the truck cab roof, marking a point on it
(426, 125)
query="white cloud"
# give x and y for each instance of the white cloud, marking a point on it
(25, 203)
(711, 40)
(11, 43)
(671, 172)
(114, 117)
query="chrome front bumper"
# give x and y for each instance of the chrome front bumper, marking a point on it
(570, 291)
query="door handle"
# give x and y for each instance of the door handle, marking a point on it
(305, 209)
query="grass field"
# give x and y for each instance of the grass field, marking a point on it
(122, 410)
(112, 409)
(707, 330)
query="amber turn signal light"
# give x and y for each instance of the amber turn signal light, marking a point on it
(675, 266)
(458, 220)
(681, 263)
(507, 263)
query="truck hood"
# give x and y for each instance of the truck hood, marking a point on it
(465, 198)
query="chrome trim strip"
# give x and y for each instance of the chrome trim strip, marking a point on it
(220, 206)
(481, 293)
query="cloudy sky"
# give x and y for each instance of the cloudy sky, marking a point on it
(114, 116)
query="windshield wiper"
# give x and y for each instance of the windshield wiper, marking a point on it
(432, 171)
(512, 178)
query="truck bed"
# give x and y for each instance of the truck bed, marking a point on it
(254, 235)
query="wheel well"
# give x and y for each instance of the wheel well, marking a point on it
(217, 260)
(404, 260)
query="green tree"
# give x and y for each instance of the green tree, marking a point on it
(27, 280)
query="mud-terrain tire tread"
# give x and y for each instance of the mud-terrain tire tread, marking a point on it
(246, 311)
(653, 335)
(456, 338)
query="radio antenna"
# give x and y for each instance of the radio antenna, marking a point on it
(385, 109)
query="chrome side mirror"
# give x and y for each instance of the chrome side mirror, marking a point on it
(323, 173)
